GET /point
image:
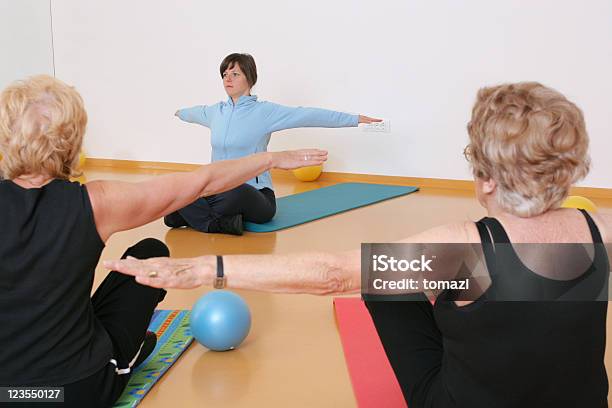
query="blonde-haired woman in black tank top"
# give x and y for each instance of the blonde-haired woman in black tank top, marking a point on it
(53, 232)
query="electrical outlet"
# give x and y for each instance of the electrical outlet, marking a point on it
(383, 127)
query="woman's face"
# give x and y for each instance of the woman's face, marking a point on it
(235, 82)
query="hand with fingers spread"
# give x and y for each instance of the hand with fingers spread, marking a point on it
(294, 159)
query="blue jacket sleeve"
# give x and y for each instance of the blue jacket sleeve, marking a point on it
(196, 114)
(284, 117)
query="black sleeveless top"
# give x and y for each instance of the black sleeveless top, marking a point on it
(48, 253)
(525, 353)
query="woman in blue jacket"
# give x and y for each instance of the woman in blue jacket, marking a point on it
(241, 126)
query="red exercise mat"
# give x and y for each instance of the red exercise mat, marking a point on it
(374, 382)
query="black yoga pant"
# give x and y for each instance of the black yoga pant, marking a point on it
(125, 308)
(255, 206)
(413, 344)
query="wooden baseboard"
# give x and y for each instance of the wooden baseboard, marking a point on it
(139, 165)
(421, 182)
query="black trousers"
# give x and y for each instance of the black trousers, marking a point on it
(255, 206)
(413, 344)
(125, 308)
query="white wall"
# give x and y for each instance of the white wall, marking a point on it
(25, 39)
(418, 63)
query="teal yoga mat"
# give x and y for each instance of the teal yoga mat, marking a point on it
(312, 205)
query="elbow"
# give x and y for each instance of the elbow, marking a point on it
(336, 279)
(206, 185)
(216, 185)
(208, 190)
(335, 285)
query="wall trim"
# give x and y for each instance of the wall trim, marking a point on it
(422, 182)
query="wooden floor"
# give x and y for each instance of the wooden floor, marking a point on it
(292, 356)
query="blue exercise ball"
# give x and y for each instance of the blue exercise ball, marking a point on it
(220, 320)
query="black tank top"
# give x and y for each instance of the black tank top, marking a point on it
(48, 253)
(524, 353)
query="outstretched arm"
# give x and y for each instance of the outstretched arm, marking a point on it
(119, 206)
(283, 117)
(196, 114)
(315, 273)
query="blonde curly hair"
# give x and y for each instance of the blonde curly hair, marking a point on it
(531, 141)
(42, 123)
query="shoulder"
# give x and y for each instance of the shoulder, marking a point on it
(267, 105)
(104, 193)
(604, 223)
(460, 232)
(272, 105)
(66, 187)
(96, 191)
(268, 109)
(216, 109)
(215, 106)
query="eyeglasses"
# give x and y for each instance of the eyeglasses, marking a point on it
(476, 170)
(467, 153)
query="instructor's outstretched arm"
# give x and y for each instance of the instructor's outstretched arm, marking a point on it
(281, 117)
(200, 114)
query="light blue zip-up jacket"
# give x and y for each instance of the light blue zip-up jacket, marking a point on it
(244, 128)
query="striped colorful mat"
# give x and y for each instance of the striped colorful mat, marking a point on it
(173, 338)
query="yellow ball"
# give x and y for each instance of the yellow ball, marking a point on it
(310, 173)
(579, 202)
(82, 159)
(81, 179)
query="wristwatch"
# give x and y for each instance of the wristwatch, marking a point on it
(220, 278)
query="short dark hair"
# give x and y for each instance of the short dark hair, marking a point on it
(246, 62)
